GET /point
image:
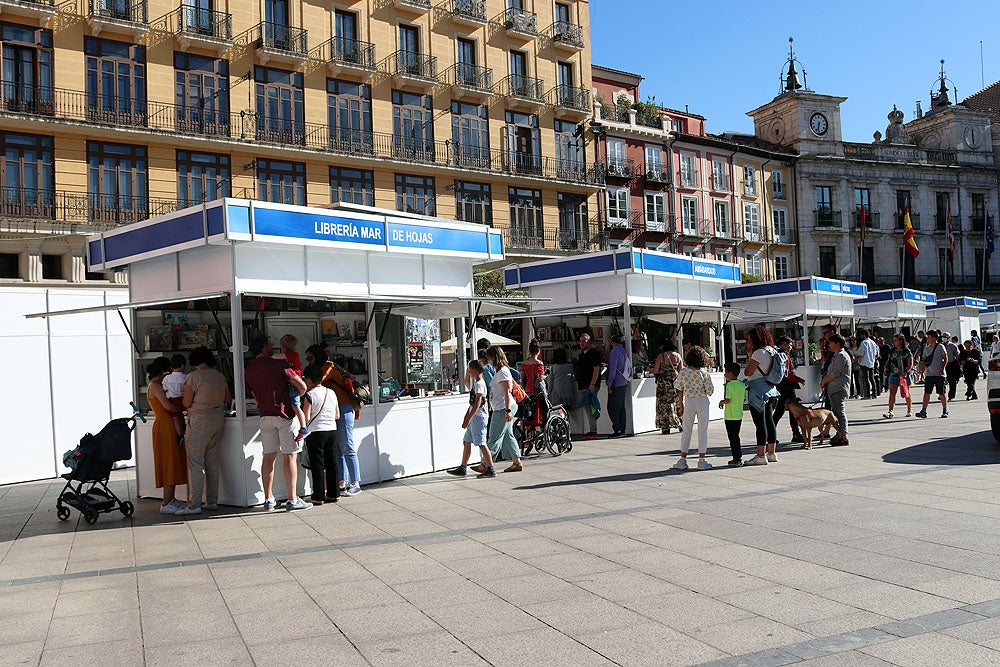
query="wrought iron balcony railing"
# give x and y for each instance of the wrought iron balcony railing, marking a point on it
(569, 34)
(129, 11)
(524, 88)
(472, 77)
(281, 37)
(469, 10)
(977, 223)
(622, 220)
(656, 172)
(352, 53)
(873, 219)
(520, 22)
(574, 99)
(827, 217)
(618, 168)
(415, 65)
(537, 237)
(81, 208)
(204, 23)
(914, 220)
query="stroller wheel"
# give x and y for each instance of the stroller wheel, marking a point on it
(90, 516)
(127, 508)
(556, 436)
(62, 512)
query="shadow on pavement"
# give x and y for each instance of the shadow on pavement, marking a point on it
(630, 477)
(975, 449)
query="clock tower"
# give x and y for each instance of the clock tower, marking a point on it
(798, 117)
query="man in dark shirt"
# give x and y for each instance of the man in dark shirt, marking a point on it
(588, 381)
(268, 380)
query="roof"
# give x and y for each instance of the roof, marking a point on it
(987, 99)
(596, 69)
(753, 146)
(753, 141)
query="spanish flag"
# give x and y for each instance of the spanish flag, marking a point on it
(909, 242)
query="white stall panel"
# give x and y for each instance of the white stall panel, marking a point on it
(446, 431)
(404, 436)
(270, 264)
(206, 269)
(334, 272)
(364, 441)
(447, 275)
(396, 274)
(157, 279)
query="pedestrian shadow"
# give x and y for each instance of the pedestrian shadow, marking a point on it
(974, 449)
(629, 477)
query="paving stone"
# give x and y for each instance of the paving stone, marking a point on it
(222, 651)
(437, 648)
(161, 629)
(649, 644)
(786, 605)
(308, 651)
(933, 650)
(374, 624)
(534, 647)
(123, 653)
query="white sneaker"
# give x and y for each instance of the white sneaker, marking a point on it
(772, 457)
(682, 464)
(352, 490)
(703, 464)
(185, 511)
(171, 507)
(756, 461)
(297, 504)
(269, 504)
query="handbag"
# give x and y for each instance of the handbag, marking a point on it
(904, 387)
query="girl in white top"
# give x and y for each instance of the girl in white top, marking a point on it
(694, 386)
(321, 413)
(501, 431)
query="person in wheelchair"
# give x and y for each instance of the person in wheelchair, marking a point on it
(540, 423)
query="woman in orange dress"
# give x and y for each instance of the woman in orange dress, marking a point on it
(533, 374)
(169, 456)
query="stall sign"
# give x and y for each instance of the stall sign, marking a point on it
(415, 358)
(422, 237)
(313, 226)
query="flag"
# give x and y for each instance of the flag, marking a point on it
(909, 242)
(951, 238)
(863, 222)
(989, 236)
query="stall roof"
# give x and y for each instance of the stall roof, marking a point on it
(961, 302)
(559, 312)
(125, 306)
(794, 286)
(910, 295)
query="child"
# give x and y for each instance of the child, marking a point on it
(694, 386)
(735, 393)
(475, 423)
(289, 345)
(173, 387)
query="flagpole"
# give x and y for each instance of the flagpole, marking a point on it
(986, 231)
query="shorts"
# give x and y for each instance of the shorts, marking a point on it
(278, 434)
(476, 432)
(934, 383)
(893, 380)
(178, 401)
(293, 393)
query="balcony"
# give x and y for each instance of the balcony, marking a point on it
(523, 91)
(779, 193)
(350, 56)
(689, 178)
(694, 227)
(414, 69)
(724, 229)
(204, 29)
(753, 234)
(618, 169)
(631, 220)
(530, 237)
(914, 220)
(43, 10)
(720, 182)
(472, 81)
(121, 16)
(872, 219)
(470, 13)
(413, 6)
(827, 218)
(749, 189)
(281, 43)
(72, 211)
(656, 173)
(784, 237)
(571, 102)
(567, 36)
(521, 24)
(941, 223)
(977, 223)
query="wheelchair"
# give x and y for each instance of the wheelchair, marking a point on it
(552, 433)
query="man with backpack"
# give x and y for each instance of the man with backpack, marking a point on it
(837, 382)
(787, 388)
(933, 360)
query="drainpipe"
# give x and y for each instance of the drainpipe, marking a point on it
(960, 243)
(672, 190)
(794, 206)
(764, 205)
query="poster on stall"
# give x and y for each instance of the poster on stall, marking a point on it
(415, 360)
(423, 356)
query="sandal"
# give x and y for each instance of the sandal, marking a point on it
(514, 468)
(887, 415)
(909, 414)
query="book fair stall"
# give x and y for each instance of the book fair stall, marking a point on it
(892, 310)
(958, 315)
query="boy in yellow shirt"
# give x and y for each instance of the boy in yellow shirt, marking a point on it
(735, 393)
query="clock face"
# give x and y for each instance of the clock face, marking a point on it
(818, 124)
(971, 137)
(777, 131)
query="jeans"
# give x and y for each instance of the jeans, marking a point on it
(202, 444)
(616, 407)
(733, 431)
(695, 406)
(837, 399)
(349, 468)
(591, 408)
(868, 387)
(764, 421)
(954, 373)
(324, 464)
(501, 437)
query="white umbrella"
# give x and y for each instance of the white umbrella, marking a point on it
(494, 339)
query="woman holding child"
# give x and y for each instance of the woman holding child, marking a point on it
(169, 456)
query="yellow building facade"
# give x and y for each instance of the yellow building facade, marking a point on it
(765, 209)
(115, 110)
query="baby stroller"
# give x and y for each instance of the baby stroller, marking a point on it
(553, 431)
(90, 463)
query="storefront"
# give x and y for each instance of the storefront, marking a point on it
(957, 316)
(382, 289)
(797, 308)
(895, 310)
(623, 290)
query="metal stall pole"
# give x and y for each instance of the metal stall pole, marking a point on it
(627, 333)
(720, 340)
(473, 334)
(374, 382)
(461, 360)
(239, 381)
(679, 334)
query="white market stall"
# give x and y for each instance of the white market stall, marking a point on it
(614, 290)
(989, 319)
(896, 308)
(812, 301)
(367, 282)
(957, 316)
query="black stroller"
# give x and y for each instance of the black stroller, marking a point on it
(90, 463)
(553, 431)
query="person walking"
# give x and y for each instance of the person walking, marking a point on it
(762, 395)
(953, 369)
(665, 371)
(206, 393)
(899, 368)
(694, 386)
(786, 389)
(169, 457)
(854, 352)
(588, 381)
(971, 359)
(476, 426)
(619, 372)
(322, 411)
(836, 382)
(868, 360)
(933, 364)
(501, 424)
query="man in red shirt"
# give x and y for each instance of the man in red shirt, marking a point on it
(267, 381)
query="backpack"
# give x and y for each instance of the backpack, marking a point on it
(779, 365)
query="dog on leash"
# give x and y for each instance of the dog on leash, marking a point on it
(810, 418)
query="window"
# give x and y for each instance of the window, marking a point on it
(116, 81)
(524, 143)
(466, 72)
(564, 76)
(519, 71)
(654, 158)
(828, 261)
(9, 266)
(862, 198)
(720, 177)
(724, 255)
(201, 94)
(26, 76)
(276, 18)
(201, 177)
(415, 194)
(562, 13)
(689, 174)
(409, 47)
(570, 160)
(678, 125)
(470, 134)
(280, 111)
(352, 186)
(616, 152)
(52, 267)
(412, 125)
(903, 204)
(473, 202)
(751, 222)
(753, 264)
(720, 211)
(574, 232)
(824, 206)
(689, 215)
(749, 180)
(349, 114)
(525, 217)
(117, 186)
(27, 176)
(781, 231)
(782, 266)
(656, 211)
(345, 25)
(618, 205)
(942, 203)
(978, 211)
(281, 182)
(778, 184)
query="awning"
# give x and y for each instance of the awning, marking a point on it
(492, 338)
(459, 308)
(131, 305)
(560, 312)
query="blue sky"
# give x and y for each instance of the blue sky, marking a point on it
(723, 58)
